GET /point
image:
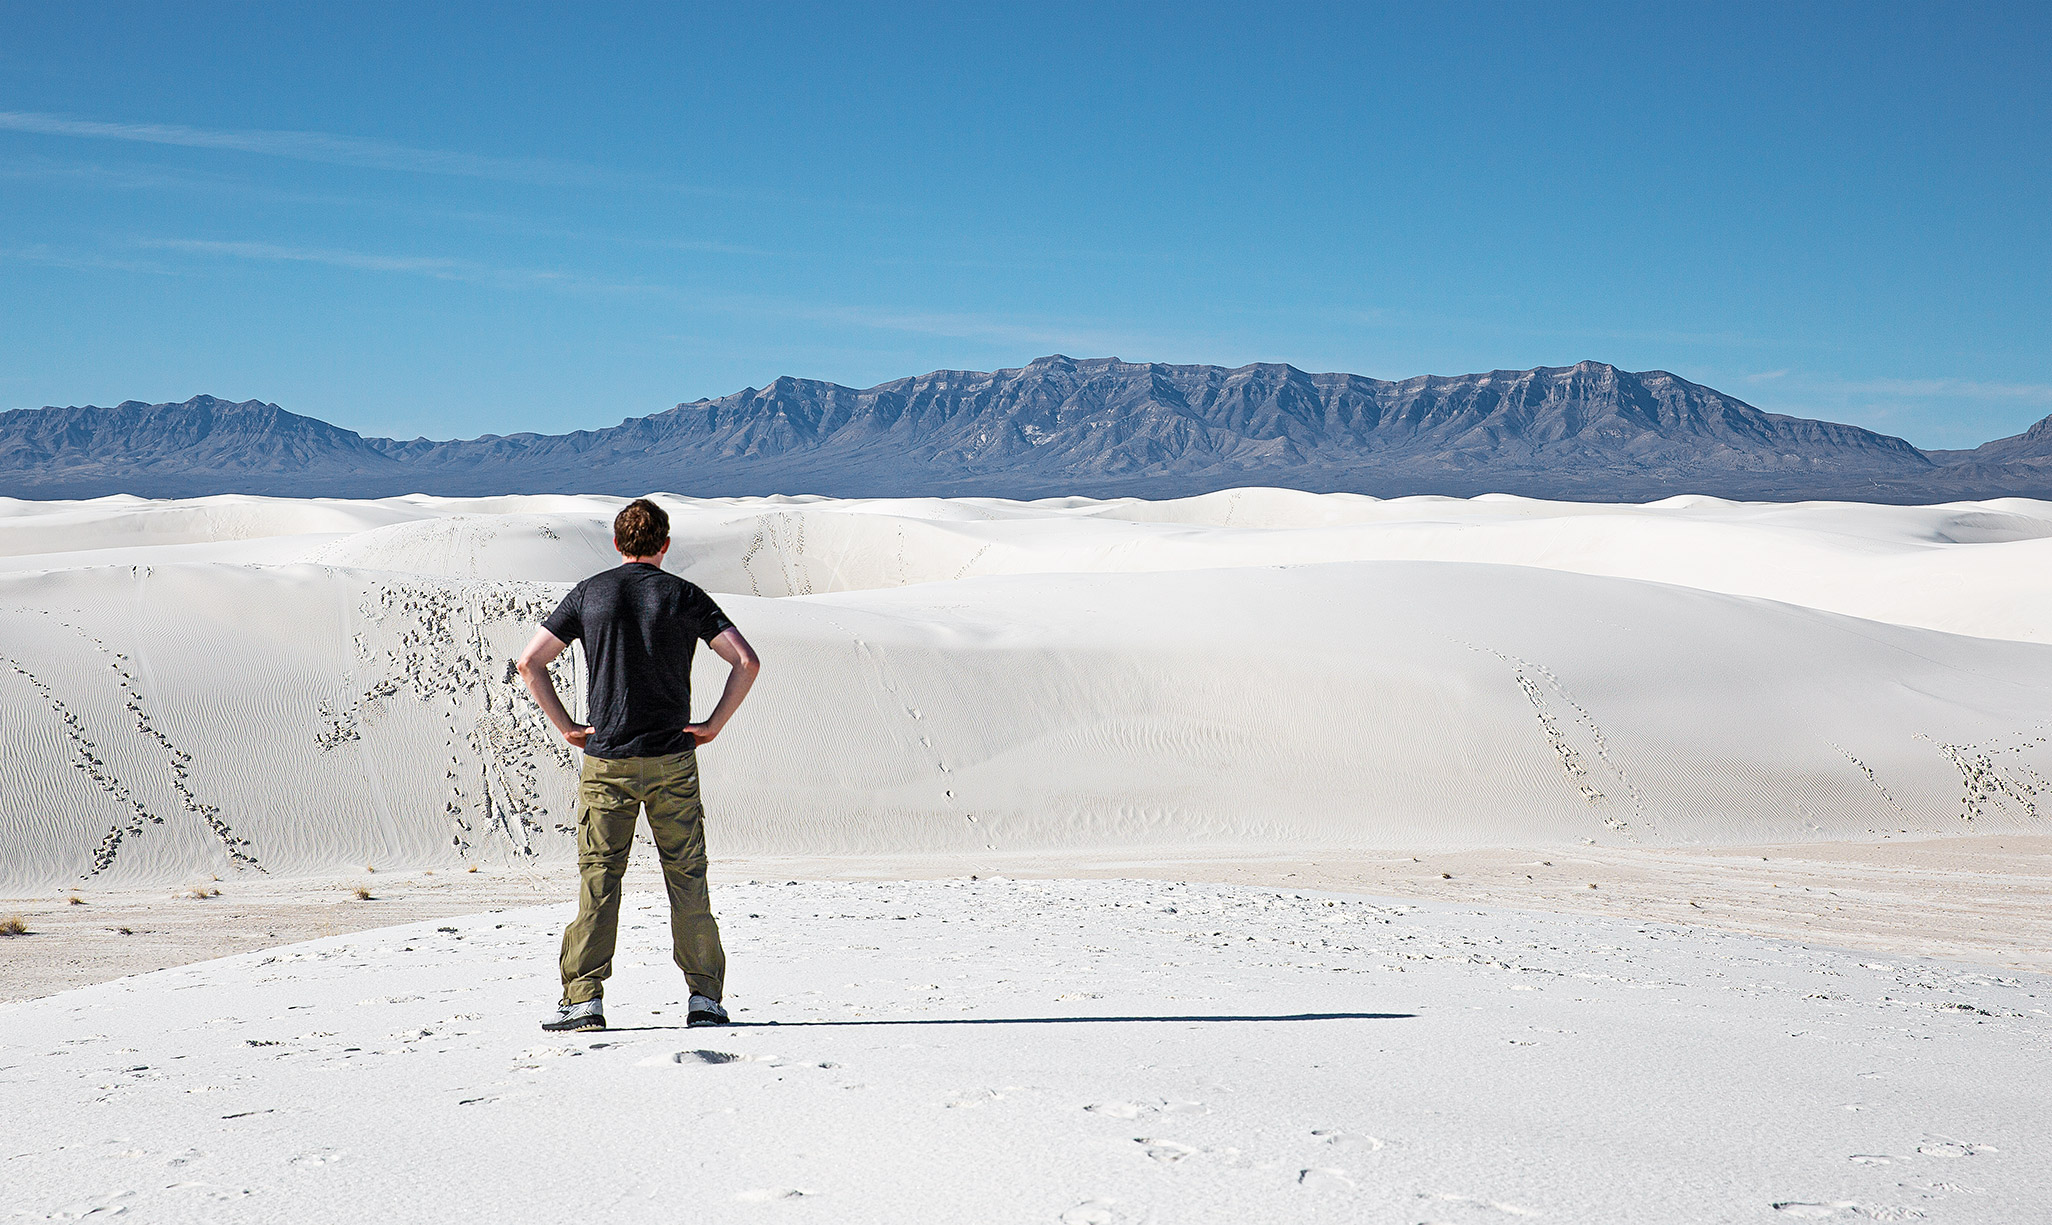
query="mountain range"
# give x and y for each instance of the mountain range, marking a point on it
(1057, 426)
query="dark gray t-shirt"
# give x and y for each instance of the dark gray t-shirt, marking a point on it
(640, 625)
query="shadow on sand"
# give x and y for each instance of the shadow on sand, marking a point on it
(1295, 1016)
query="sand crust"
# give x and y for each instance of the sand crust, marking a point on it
(1004, 1050)
(1984, 901)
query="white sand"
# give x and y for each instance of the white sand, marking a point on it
(1245, 670)
(1495, 702)
(998, 1051)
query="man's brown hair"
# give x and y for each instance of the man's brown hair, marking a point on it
(640, 529)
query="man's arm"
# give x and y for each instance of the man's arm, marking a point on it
(742, 666)
(534, 671)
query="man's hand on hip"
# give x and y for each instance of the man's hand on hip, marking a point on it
(577, 736)
(701, 733)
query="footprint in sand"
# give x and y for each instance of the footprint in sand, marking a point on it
(211, 1190)
(1841, 1210)
(1474, 1201)
(1348, 1140)
(979, 1097)
(1324, 1178)
(770, 1195)
(105, 1205)
(1168, 1152)
(1097, 1212)
(701, 1059)
(1846, 1210)
(1953, 1148)
(1133, 1110)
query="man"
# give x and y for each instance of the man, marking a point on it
(640, 625)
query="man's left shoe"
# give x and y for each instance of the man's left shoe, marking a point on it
(705, 1011)
(570, 1018)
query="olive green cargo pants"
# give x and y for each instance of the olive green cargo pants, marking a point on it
(610, 795)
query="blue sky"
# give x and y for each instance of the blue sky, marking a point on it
(451, 220)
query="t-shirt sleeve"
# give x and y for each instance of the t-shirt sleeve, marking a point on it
(567, 622)
(711, 621)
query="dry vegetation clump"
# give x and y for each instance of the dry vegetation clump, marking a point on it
(202, 892)
(363, 893)
(471, 868)
(14, 925)
(75, 900)
(369, 868)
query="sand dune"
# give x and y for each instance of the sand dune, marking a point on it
(1980, 568)
(242, 684)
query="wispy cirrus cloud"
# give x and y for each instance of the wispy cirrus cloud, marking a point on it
(336, 149)
(44, 256)
(1947, 388)
(436, 266)
(959, 325)
(1838, 389)
(324, 147)
(1931, 412)
(441, 268)
(950, 325)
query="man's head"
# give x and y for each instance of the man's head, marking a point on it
(641, 529)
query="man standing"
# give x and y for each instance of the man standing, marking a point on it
(640, 625)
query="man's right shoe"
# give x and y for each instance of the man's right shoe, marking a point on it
(705, 1011)
(569, 1018)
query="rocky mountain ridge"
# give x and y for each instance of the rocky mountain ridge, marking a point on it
(1098, 427)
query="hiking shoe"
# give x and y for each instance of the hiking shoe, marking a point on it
(569, 1018)
(705, 1011)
